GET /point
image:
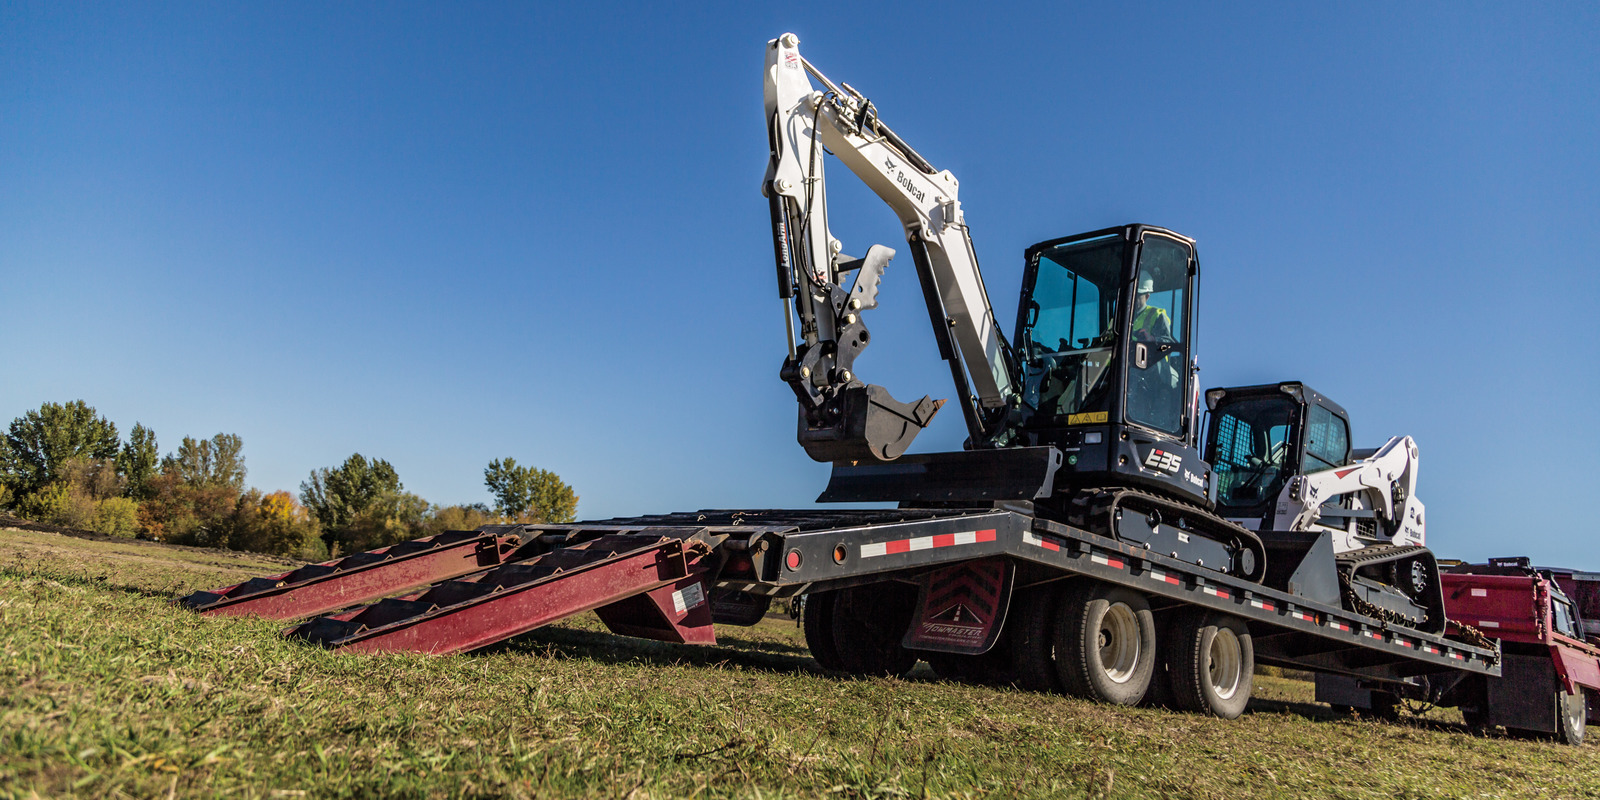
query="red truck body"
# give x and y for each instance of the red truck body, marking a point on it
(1518, 610)
(1548, 625)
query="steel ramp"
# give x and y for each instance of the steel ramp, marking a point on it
(642, 583)
(360, 578)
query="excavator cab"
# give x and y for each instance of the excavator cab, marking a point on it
(1104, 335)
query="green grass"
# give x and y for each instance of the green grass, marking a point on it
(108, 690)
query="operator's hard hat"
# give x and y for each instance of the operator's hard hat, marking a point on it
(1146, 285)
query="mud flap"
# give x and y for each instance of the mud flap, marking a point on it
(866, 425)
(961, 608)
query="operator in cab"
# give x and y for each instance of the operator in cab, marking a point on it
(1150, 323)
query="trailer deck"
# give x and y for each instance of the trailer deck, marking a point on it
(662, 576)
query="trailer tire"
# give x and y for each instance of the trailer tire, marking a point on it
(818, 621)
(1105, 643)
(869, 623)
(1030, 638)
(1212, 663)
(1572, 714)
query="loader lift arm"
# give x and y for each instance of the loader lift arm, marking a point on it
(841, 417)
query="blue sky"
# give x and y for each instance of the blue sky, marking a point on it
(445, 234)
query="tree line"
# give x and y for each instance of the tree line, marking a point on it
(64, 464)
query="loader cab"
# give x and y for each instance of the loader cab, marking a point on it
(1104, 334)
(1258, 437)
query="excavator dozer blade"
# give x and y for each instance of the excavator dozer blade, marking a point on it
(869, 425)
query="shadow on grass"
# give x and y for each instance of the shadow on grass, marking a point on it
(609, 648)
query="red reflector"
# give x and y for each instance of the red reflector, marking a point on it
(792, 559)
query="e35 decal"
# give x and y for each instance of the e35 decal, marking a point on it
(1162, 461)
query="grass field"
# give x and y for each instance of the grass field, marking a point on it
(107, 690)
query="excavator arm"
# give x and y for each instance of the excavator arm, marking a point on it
(841, 417)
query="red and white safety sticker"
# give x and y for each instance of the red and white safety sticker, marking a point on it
(925, 543)
(1108, 561)
(1403, 641)
(1165, 578)
(1215, 592)
(1263, 605)
(1301, 615)
(1337, 625)
(685, 599)
(1428, 648)
(1456, 656)
(1036, 541)
(1372, 635)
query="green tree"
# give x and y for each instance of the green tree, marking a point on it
(361, 505)
(529, 494)
(209, 462)
(139, 461)
(40, 443)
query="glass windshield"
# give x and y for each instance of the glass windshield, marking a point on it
(1252, 450)
(1069, 327)
(1155, 385)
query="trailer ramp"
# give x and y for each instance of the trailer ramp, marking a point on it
(644, 583)
(360, 578)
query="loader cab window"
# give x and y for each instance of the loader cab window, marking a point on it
(1252, 455)
(1068, 329)
(1157, 376)
(1562, 618)
(1327, 440)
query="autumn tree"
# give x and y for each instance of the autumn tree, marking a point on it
(529, 494)
(139, 461)
(209, 462)
(275, 523)
(39, 444)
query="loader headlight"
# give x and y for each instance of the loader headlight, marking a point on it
(1213, 397)
(1093, 437)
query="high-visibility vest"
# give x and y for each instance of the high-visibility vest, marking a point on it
(1149, 317)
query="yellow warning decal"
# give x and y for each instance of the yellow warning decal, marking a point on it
(1087, 419)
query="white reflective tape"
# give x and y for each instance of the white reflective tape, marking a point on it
(1488, 624)
(1480, 592)
(922, 543)
(872, 550)
(969, 537)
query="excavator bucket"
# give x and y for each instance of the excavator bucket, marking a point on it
(870, 426)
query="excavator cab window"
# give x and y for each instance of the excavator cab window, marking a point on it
(1158, 350)
(1069, 333)
(1253, 453)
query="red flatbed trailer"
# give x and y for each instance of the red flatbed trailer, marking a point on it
(671, 576)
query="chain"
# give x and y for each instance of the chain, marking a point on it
(1364, 608)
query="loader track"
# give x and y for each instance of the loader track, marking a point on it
(1095, 510)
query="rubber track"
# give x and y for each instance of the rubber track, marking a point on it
(1095, 509)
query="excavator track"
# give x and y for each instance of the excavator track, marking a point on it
(1173, 527)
